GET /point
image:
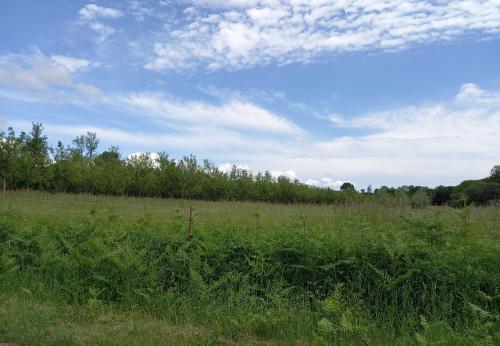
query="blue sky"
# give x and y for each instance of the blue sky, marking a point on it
(373, 92)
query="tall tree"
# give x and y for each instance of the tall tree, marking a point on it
(8, 146)
(36, 146)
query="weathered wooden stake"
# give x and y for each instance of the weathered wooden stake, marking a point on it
(190, 236)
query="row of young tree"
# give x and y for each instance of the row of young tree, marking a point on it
(27, 161)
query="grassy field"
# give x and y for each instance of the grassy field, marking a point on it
(78, 269)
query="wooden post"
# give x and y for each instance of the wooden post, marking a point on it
(190, 236)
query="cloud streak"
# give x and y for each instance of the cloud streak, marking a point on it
(233, 113)
(70, 63)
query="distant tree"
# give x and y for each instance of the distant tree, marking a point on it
(86, 145)
(111, 174)
(91, 144)
(442, 195)
(347, 187)
(482, 192)
(495, 174)
(401, 197)
(36, 155)
(169, 176)
(79, 145)
(26, 162)
(420, 199)
(144, 172)
(384, 196)
(8, 152)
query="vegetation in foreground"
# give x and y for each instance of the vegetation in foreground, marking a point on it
(79, 269)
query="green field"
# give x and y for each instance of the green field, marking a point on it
(87, 270)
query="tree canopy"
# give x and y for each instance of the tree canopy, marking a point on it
(27, 161)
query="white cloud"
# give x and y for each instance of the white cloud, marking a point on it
(232, 113)
(104, 31)
(227, 167)
(71, 64)
(312, 182)
(38, 77)
(472, 93)
(288, 174)
(89, 15)
(325, 182)
(151, 157)
(219, 143)
(241, 34)
(93, 11)
(140, 10)
(473, 113)
(332, 184)
(250, 95)
(443, 140)
(439, 143)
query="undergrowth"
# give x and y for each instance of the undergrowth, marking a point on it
(430, 282)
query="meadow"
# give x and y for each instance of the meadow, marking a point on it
(83, 269)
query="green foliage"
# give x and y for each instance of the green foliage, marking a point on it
(28, 162)
(420, 199)
(347, 186)
(318, 279)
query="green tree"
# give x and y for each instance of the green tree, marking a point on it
(420, 199)
(9, 147)
(86, 145)
(401, 197)
(36, 155)
(495, 174)
(482, 192)
(347, 186)
(442, 195)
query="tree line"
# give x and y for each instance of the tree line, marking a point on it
(27, 161)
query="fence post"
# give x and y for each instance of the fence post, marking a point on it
(190, 235)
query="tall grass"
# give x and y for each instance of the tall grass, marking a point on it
(349, 274)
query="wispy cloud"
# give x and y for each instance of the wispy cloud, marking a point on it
(36, 77)
(240, 34)
(91, 13)
(455, 138)
(232, 113)
(443, 142)
(251, 95)
(141, 10)
(42, 78)
(473, 113)
(70, 63)
(104, 31)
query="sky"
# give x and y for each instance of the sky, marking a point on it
(385, 92)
